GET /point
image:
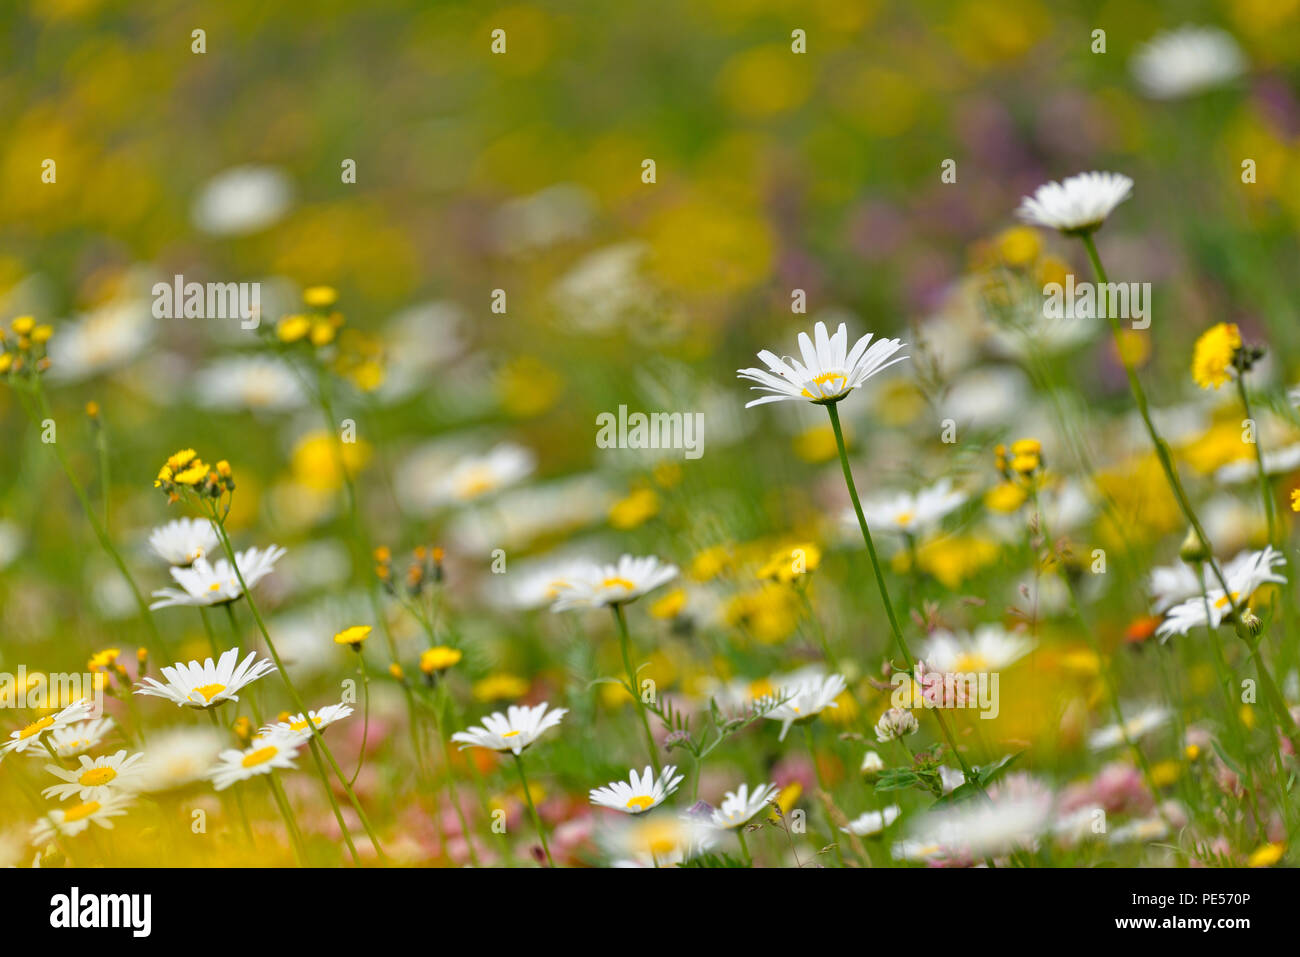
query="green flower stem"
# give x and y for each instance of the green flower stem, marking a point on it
(282, 802)
(101, 533)
(624, 642)
(884, 590)
(1165, 456)
(537, 818)
(334, 806)
(1265, 490)
(293, 691)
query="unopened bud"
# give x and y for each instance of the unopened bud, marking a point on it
(1193, 549)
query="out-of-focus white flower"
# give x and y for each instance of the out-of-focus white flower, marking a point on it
(101, 340)
(1186, 61)
(257, 383)
(872, 822)
(179, 756)
(553, 215)
(1285, 459)
(1150, 718)
(182, 541)
(242, 200)
(262, 756)
(991, 648)
(910, 513)
(894, 724)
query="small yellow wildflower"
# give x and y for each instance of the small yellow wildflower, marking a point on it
(320, 297)
(1213, 355)
(354, 636)
(1266, 855)
(670, 605)
(439, 659)
(292, 328)
(640, 506)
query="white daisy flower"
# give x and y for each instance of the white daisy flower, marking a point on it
(96, 779)
(1171, 584)
(262, 756)
(179, 757)
(69, 822)
(106, 338)
(618, 584)
(513, 731)
(296, 726)
(894, 724)
(1079, 204)
(1276, 461)
(74, 739)
(656, 840)
(908, 513)
(472, 477)
(1243, 577)
(242, 200)
(642, 793)
(805, 701)
(25, 737)
(739, 806)
(991, 648)
(829, 370)
(1189, 60)
(205, 584)
(209, 684)
(1150, 718)
(249, 383)
(872, 822)
(182, 541)
(872, 763)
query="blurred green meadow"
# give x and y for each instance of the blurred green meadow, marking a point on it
(465, 257)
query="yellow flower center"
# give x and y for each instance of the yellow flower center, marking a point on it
(509, 734)
(97, 776)
(618, 583)
(970, 661)
(639, 803)
(302, 725)
(81, 811)
(1227, 600)
(477, 481)
(209, 691)
(260, 756)
(36, 727)
(904, 518)
(836, 379)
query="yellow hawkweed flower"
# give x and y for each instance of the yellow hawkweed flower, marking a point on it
(788, 564)
(42, 334)
(1018, 246)
(354, 636)
(439, 659)
(1267, 855)
(23, 325)
(499, 687)
(1295, 500)
(193, 475)
(1213, 355)
(640, 506)
(103, 660)
(322, 332)
(181, 459)
(6, 360)
(320, 297)
(670, 605)
(292, 328)
(1005, 497)
(396, 671)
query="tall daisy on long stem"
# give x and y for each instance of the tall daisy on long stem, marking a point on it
(828, 372)
(513, 732)
(1078, 207)
(615, 586)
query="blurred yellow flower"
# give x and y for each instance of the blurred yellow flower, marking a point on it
(500, 686)
(1213, 355)
(637, 508)
(354, 636)
(670, 605)
(315, 460)
(439, 659)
